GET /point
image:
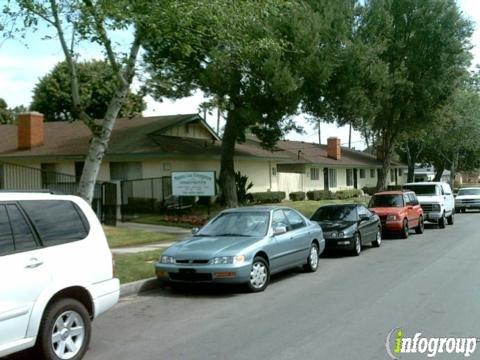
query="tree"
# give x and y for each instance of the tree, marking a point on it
(97, 82)
(252, 56)
(5, 114)
(403, 60)
(91, 21)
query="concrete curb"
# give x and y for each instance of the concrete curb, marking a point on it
(138, 287)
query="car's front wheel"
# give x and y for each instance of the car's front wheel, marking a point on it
(378, 238)
(312, 260)
(65, 331)
(442, 222)
(259, 275)
(357, 245)
(421, 226)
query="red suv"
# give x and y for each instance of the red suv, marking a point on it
(399, 211)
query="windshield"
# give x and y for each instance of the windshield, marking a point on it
(469, 192)
(379, 201)
(241, 223)
(428, 190)
(335, 213)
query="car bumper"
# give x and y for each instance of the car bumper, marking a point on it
(467, 206)
(432, 216)
(204, 274)
(105, 295)
(392, 226)
(339, 243)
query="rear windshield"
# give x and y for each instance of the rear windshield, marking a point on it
(469, 192)
(429, 190)
(386, 201)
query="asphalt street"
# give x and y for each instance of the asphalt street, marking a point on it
(428, 283)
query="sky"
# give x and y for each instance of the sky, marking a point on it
(22, 63)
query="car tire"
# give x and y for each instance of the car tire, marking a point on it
(451, 219)
(357, 244)
(442, 222)
(421, 226)
(259, 275)
(378, 239)
(405, 230)
(77, 332)
(313, 259)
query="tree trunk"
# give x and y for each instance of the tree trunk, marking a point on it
(453, 170)
(411, 172)
(386, 157)
(227, 169)
(439, 172)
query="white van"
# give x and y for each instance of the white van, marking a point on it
(56, 274)
(436, 200)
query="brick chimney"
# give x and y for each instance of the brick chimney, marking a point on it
(333, 148)
(29, 130)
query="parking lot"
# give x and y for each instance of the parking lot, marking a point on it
(343, 311)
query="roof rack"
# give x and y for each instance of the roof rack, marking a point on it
(43, 191)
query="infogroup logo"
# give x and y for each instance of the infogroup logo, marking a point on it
(398, 344)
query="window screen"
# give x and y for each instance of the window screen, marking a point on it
(6, 240)
(332, 178)
(22, 234)
(56, 221)
(314, 174)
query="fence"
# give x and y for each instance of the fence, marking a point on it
(19, 177)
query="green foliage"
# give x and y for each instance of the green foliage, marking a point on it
(369, 190)
(97, 82)
(347, 194)
(297, 196)
(6, 116)
(242, 184)
(268, 197)
(320, 195)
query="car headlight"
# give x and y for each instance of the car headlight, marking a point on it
(222, 260)
(392, 217)
(341, 234)
(167, 260)
(333, 234)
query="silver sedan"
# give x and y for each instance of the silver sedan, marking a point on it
(244, 245)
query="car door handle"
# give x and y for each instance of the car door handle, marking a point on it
(33, 263)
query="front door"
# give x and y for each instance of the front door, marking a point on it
(355, 179)
(326, 185)
(23, 275)
(280, 246)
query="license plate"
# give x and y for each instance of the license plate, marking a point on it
(187, 271)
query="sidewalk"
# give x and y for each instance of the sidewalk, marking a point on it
(179, 234)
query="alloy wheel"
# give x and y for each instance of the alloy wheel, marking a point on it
(68, 335)
(258, 275)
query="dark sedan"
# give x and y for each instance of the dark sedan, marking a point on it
(349, 227)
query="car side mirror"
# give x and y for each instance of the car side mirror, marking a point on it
(279, 230)
(195, 230)
(363, 217)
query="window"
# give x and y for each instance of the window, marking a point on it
(56, 221)
(274, 171)
(314, 174)
(125, 170)
(48, 174)
(349, 177)
(295, 220)
(372, 173)
(386, 200)
(362, 210)
(279, 219)
(362, 173)
(392, 175)
(22, 234)
(6, 240)
(412, 199)
(332, 178)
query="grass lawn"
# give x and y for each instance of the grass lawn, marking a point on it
(157, 220)
(133, 267)
(121, 237)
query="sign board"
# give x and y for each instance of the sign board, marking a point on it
(193, 183)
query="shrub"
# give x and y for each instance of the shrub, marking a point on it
(268, 197)
(242, 185)
(320, 195)
(369, 190)
(297, 196)
(394, 187)
(348, 194)
(140, 205)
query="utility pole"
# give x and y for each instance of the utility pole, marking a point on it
(350, 136)
(319, 132)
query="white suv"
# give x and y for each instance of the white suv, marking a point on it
(436, 200)
(56, 274)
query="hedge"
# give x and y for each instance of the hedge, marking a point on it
(297, 196)
(268, 197)
(369, 190)
(320, 195)
(348, 194)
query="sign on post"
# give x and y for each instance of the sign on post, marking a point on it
(193, 183)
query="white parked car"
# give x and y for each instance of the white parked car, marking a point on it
(436, 200)
(56, 274)
(467, 198)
